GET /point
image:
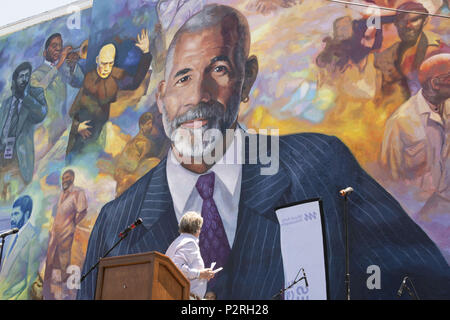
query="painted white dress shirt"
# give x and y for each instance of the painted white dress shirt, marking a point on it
(227, 186)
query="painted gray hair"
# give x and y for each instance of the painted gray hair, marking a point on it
(211, 16)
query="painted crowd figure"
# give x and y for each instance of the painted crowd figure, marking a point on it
(70, 211)
(59, 71)
(19, 114)
(91, 108)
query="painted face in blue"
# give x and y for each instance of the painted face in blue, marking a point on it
(18, 218)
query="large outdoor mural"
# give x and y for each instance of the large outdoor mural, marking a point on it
(81, 112)
(42, 70)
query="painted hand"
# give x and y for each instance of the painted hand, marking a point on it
(143, 41)
(64, 54)
(266, 7)
(83, 129)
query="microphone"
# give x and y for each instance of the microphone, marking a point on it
(131, 227)
(402, 287)
(304, 277)
(346, 191)
(9, 232)
(293, 283)
(122, 236)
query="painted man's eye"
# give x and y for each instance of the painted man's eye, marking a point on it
(221, 69)
(183, 80)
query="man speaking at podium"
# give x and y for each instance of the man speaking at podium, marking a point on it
(208, 73)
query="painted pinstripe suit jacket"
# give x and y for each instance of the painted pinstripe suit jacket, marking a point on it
(311, 166)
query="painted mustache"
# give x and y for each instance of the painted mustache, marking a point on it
(213, 112)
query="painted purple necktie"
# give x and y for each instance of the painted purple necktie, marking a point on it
(213, 240)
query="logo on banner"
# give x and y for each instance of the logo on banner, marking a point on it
(301, 240)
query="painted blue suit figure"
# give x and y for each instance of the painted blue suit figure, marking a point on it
(208, 74)
(19, 114)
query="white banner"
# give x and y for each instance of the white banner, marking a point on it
(302, 247)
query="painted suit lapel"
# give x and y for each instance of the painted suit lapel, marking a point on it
(160, 226)
(254, 269)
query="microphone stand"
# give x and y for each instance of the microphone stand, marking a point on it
(414, 295)
(275, 297)
(415, 292)
(347, 255)
(98, 261)
(1, 250)
(411, 294)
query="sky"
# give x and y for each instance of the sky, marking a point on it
(16, 10)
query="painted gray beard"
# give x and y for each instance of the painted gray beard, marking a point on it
(199, 142)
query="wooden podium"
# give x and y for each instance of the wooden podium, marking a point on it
(144, 276)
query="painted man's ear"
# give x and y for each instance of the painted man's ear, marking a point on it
(435, 84)
(251, 72)
(159, 94)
